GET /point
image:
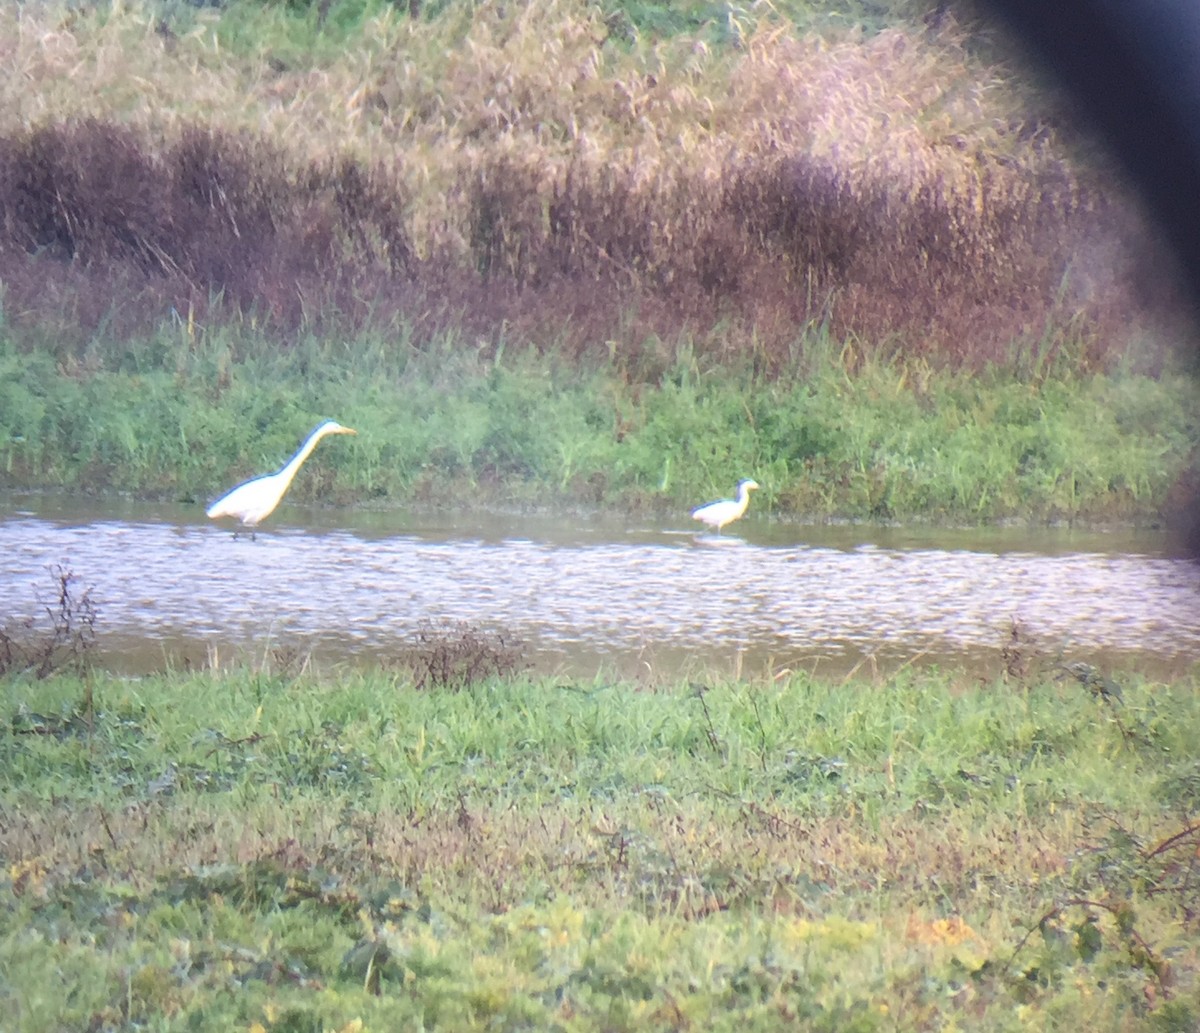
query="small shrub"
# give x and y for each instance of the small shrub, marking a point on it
(1116, 873)
(1020, 650)
(61, 641)
(453, 655)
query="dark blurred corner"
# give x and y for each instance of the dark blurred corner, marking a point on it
(1133, 66)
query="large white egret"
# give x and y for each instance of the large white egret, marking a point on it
(725, 511)
(253, 501)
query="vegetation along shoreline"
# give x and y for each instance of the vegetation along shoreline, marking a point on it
(593, 256)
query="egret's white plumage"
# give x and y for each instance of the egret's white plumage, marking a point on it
(725, 511)
(253, 501)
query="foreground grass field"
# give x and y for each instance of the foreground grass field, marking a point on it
(258, 851)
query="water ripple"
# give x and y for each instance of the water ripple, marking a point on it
(580, 597)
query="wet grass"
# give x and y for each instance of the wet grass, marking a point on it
(179, 418)
(217, 850)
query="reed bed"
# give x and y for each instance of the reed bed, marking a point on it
(544, 170)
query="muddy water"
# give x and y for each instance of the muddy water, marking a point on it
(586, 596)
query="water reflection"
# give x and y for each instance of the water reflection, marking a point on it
(584, 595)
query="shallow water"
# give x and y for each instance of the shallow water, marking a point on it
(598, 595)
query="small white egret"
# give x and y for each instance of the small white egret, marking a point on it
(253, 501)
(725, 511)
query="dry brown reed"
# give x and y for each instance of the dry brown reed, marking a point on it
(520, 166)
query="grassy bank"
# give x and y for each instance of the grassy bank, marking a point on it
(183, 417)
(611, 256)
(257, 851)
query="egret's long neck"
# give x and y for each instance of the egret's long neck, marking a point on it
(743, 498)
(305, 451)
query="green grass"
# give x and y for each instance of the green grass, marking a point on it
(169, 417)
(219, 850)
(248, 26)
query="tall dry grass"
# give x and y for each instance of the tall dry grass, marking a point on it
(520, 166)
